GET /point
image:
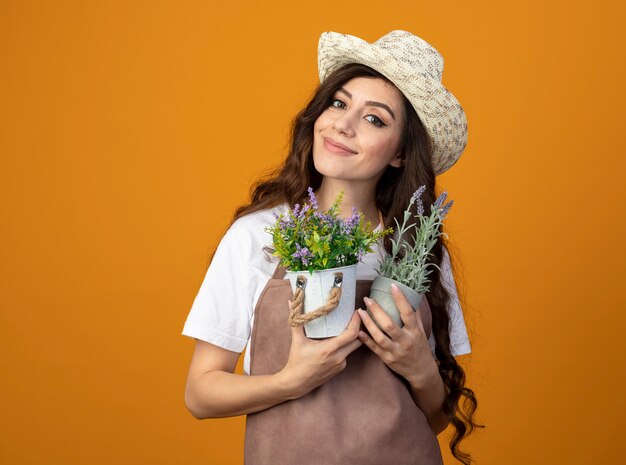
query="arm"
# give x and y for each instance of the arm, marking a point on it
(213, 390)
(429, 394)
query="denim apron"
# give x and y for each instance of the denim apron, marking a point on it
(364, 415)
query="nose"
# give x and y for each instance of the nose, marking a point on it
(344, 123)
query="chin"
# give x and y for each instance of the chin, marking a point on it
(334, 172)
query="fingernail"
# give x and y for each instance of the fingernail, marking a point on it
(367, 300)
(394, 287)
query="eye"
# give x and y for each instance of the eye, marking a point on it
(341, 103)
(376, 121)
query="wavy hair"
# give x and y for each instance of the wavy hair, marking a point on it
(289, 182)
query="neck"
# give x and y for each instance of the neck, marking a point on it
(359, 195)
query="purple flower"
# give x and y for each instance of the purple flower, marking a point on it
(417, 197)
(312, 198)
(303, 254)
(286, 222)
(296, 209)
(444, 210)
(440, 200)
(418, 193)
(350, 223)
(328, 219)
(305, 209)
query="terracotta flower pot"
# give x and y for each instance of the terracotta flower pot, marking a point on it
(317, 290)
(381, 293)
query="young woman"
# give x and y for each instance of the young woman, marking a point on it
(379, 126)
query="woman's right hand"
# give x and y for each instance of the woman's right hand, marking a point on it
(313, 362)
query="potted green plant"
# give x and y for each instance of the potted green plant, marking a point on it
(320, 252)
(408, 264)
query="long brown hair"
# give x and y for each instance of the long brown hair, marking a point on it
(289, 182)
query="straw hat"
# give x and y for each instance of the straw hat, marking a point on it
(415, 67)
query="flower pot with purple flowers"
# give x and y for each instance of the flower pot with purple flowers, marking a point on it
(321, 252)
(408, 264)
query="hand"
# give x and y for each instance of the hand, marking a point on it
(313, 362)
(405, 350)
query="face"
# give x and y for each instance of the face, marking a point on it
(365, 117)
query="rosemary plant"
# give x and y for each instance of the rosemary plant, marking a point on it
(411, 268)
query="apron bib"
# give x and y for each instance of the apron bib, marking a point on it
(364, 415)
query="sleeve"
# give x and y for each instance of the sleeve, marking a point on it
(459, 340)
(222, 309)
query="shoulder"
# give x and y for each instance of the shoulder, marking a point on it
(247, 235)
(258, 220)
(252, 225)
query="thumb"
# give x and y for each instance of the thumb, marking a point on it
(297, 332)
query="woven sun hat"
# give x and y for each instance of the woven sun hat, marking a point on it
(415, 67)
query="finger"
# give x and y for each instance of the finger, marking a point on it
(407, 313)
(384, 320)
(423, 303)
(369, 342)
(297, 332)
(381, 338)
(347, 335)
(346, 350)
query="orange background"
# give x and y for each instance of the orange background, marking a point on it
(129, 132)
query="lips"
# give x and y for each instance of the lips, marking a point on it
(336, 147)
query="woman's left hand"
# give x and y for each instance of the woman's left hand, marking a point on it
(405, 350)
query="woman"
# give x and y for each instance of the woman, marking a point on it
(379, 126)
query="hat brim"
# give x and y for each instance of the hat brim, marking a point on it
(437, 108)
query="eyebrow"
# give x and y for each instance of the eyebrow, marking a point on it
(371, 103)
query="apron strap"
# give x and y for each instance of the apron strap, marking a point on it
(279, 272)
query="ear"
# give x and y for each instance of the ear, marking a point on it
(397, 162)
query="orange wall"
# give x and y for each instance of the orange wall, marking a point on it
(129, 131)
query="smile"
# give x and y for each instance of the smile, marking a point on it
(328, 145)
